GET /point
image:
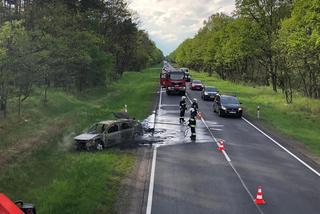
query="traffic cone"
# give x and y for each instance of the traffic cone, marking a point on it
(221, 145)
(259, 199)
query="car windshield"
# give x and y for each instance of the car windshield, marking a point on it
(229, 100)
(211, 89)
(96, 128)
(196, 81)
(176, 76)
(184, 69)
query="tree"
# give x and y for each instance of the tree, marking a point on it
(299, 46)
(267, 14)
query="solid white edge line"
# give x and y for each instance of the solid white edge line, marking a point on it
(153, 166)
(160, 99)
(151, 184)
(282, 147)
(230, 163)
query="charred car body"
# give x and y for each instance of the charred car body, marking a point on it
(109, 133)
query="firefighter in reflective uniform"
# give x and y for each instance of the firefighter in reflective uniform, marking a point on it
(194, 105)
(183, 108)
(192, 123)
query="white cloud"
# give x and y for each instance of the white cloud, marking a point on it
(169, 22)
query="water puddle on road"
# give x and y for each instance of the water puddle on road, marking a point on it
(165, 129)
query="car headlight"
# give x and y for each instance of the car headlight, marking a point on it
(223, 108)
(205, 93)
(183, 87)
(239, 109)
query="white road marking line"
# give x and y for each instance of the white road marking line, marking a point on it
(168, 105)
(213, 137)
(216, 126)
(151, 184)
(282, 147)
(215, 129)
(160, 99)
(245, 187)
(153, 166)
(230, 163)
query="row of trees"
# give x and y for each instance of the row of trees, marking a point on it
(269, 42)
(68, 44)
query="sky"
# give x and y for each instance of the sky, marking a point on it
(170, 22)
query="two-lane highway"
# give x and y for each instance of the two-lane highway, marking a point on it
(196, 178)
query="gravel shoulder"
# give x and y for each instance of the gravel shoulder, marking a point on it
(134, 189)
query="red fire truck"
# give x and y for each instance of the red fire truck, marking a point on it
(19, 207)
(163, 78)
(174, 81)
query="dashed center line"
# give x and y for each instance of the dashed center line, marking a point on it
(230, 163)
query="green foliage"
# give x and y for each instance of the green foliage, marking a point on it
(267, 43)
(41, 164)
(298, 45)
(299, 120)
(69, 45)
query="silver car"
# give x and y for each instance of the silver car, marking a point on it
(109, 133)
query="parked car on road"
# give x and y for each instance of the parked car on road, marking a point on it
(196, 85)
(227, 105)
(209, 92)
(108, 133)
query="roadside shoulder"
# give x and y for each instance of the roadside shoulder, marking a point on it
(294, 146)
(134, 188)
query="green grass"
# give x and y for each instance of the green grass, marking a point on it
(299, 120)
(45, 169)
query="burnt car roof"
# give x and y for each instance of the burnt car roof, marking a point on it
(108, 122)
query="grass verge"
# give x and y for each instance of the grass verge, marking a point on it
(299, 120)
(38, 161)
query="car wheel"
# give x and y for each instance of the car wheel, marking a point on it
(99, 145)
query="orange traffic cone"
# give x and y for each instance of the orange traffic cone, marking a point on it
(221, 145)
(259, 199)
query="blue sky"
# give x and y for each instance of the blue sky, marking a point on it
(170, 22)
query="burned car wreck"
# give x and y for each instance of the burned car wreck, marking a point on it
(109, 133)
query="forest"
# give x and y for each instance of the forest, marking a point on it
(273, 43)
(70, 45)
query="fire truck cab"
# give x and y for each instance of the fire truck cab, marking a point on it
(175, 82)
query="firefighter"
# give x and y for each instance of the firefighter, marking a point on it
(183, 108)
(194, 105)
(192, 123)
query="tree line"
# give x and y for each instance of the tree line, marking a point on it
(269, 42)
(68, 44)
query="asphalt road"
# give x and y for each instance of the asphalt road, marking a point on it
(196, 178)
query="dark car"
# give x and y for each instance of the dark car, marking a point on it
(209, 93)
(227, 105)
(196, 85)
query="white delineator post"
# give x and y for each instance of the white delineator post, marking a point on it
(258, 112)
(125, 108)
